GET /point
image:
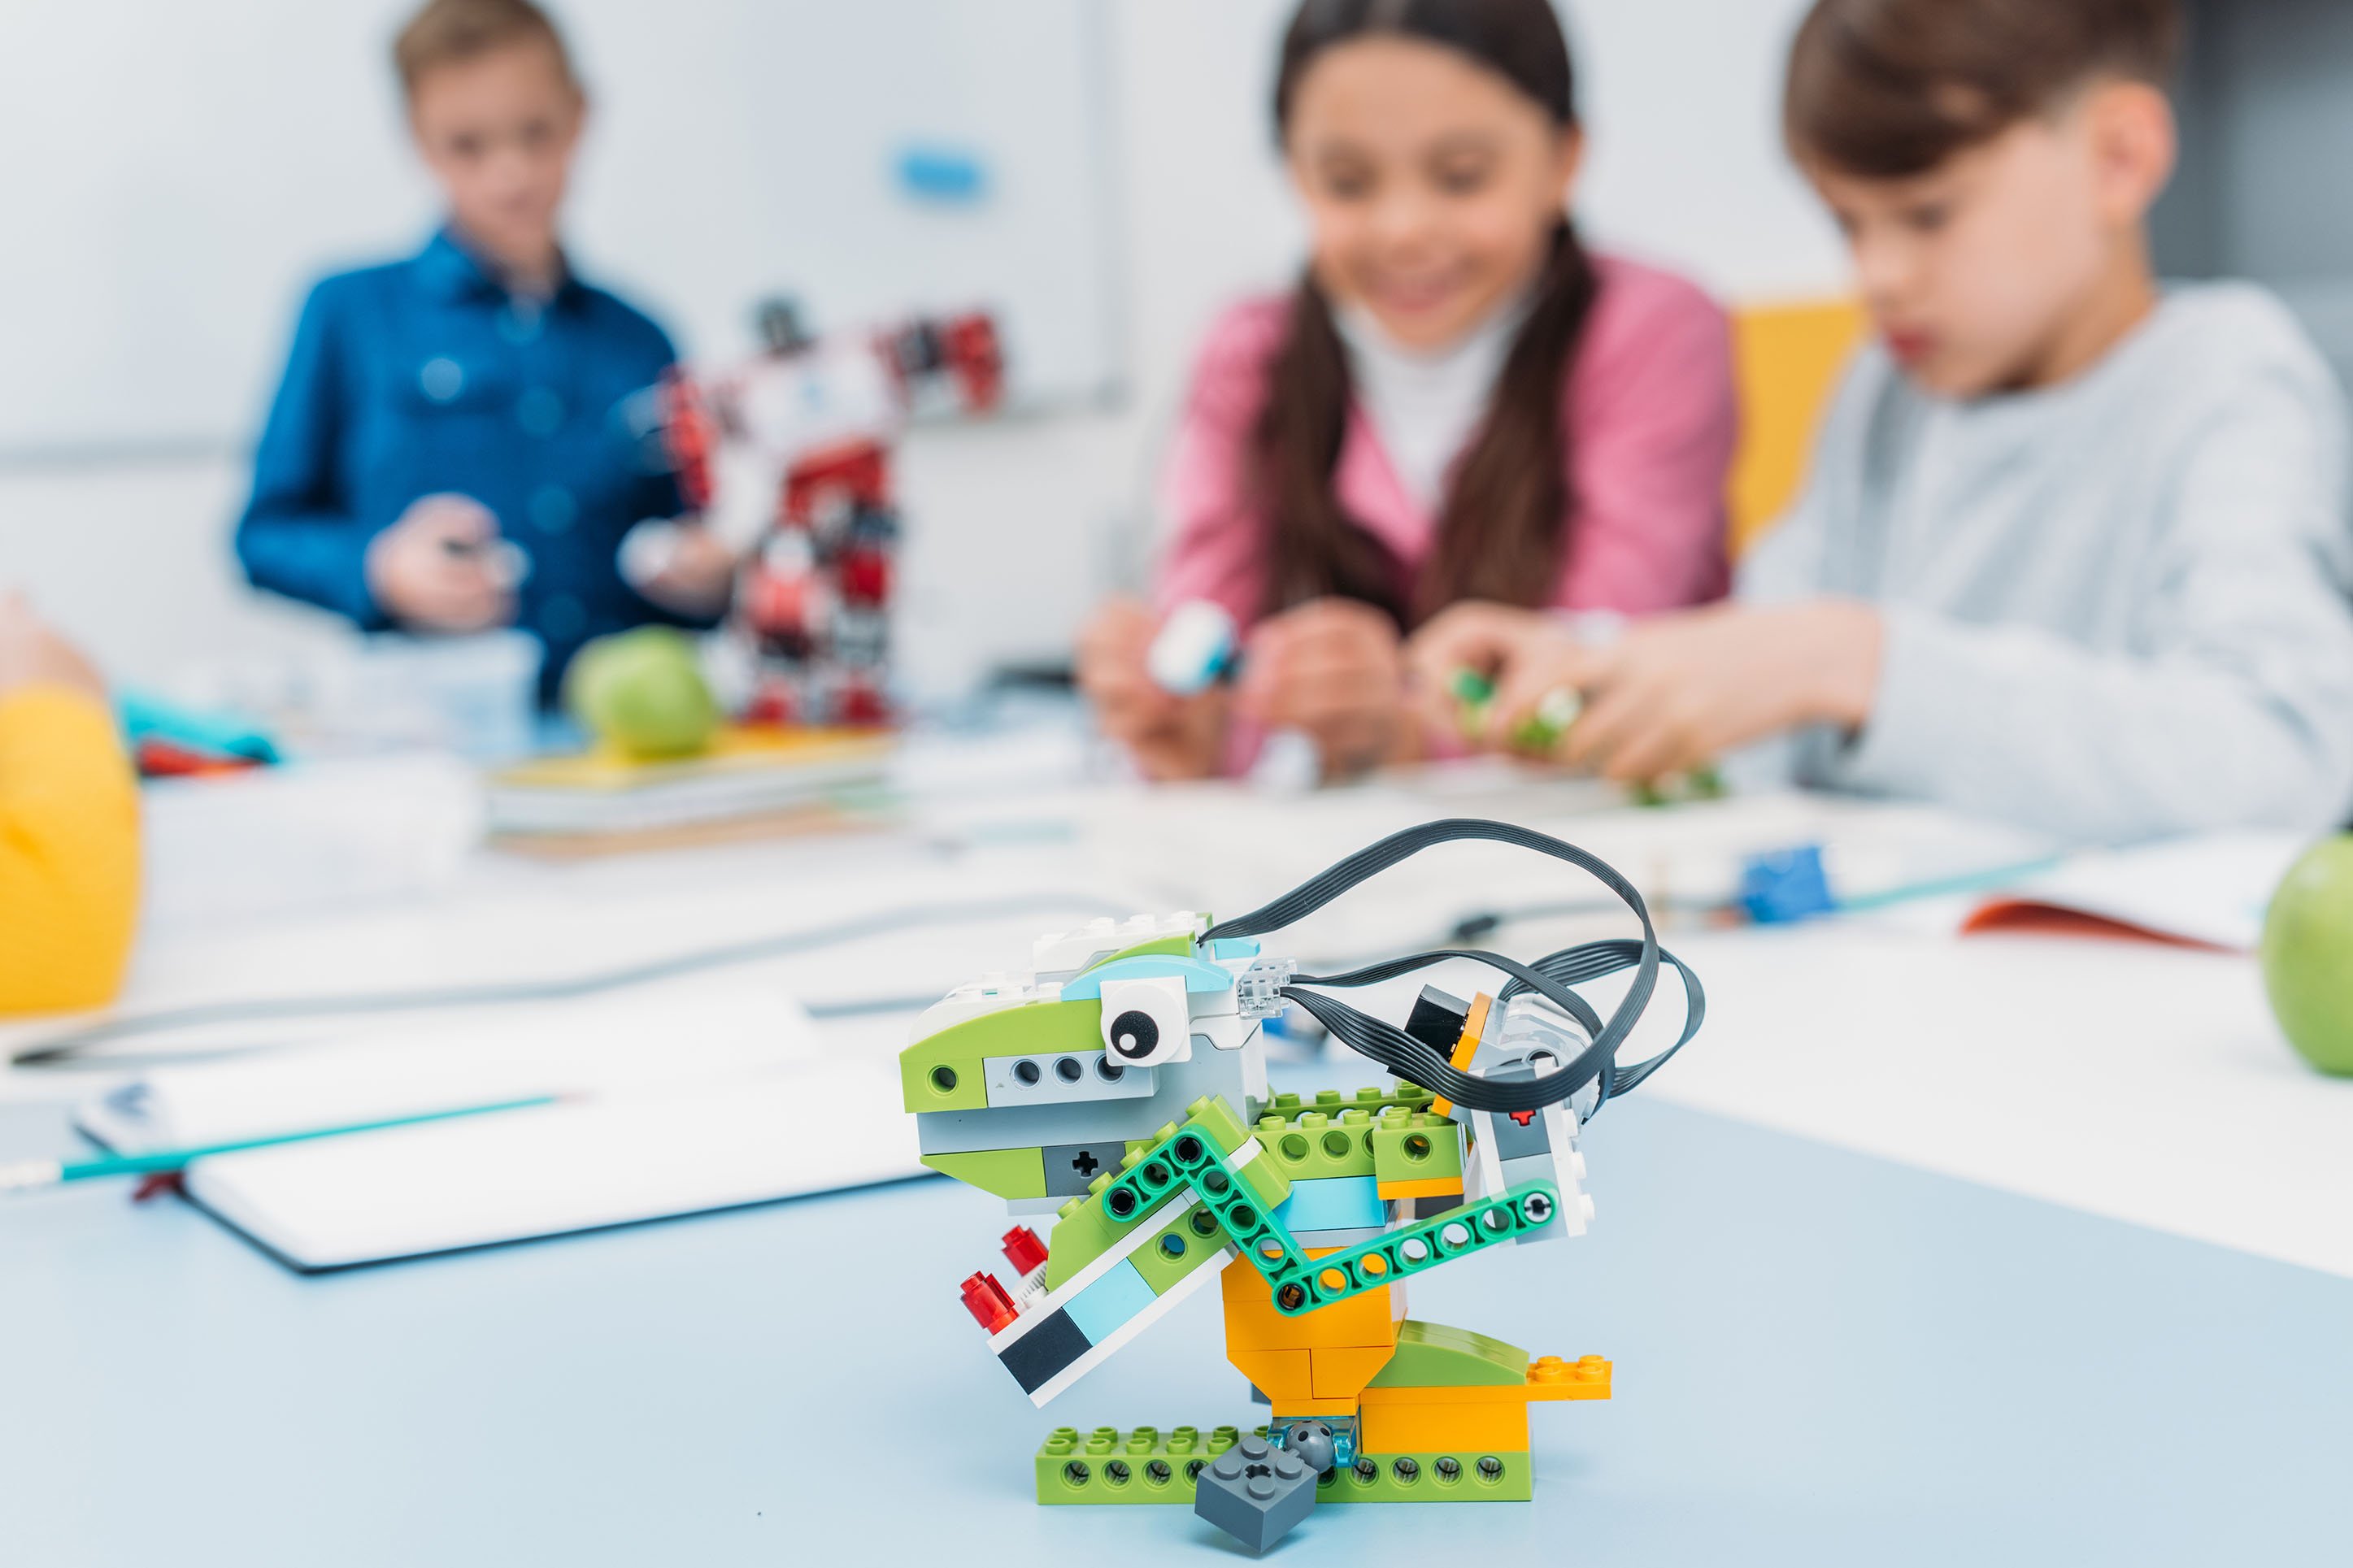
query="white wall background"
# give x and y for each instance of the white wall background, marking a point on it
(1018, 526)
(157, 301)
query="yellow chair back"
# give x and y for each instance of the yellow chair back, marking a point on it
(1786, 359)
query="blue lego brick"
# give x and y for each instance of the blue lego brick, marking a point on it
(1100, 1309)
(1334, 1203)
(1789, 885)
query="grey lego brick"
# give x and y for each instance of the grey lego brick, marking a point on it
(1063, 1077)
(1070, 1166)
(1176, 1085)
(1255, 1492)
(1513, 1139)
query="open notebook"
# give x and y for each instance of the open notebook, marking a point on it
(677, 1100)
(2207, 891)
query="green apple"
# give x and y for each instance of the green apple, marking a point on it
(2308, 955)
(642, 693)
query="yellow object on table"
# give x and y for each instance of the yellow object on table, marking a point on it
(69, 852)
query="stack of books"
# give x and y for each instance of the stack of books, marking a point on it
(753, 782)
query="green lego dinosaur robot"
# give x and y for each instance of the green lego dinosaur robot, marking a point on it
(1122, 1085)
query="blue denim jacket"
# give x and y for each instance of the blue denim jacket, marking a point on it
(425, 377)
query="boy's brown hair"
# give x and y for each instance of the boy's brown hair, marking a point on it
(1890, 89)
(444, 32)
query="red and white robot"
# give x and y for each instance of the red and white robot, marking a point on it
(812, 595)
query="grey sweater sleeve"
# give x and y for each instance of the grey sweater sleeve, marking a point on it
(2234, 707)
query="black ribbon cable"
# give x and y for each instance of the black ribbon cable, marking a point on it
(1551, 977)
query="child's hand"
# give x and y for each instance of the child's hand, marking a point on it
(1672, 693)
(1333, 668)
(1526, 655)
(1679, 691)
(435, 569)
(696, 572)
(1170, 737)
(33, 654)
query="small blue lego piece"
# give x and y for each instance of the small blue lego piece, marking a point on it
(1785, 885)
(1197, 975)
(1334, 1203)
(1100, 1309)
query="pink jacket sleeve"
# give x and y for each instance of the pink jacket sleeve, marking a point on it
(1216, 547)
(1653, 422)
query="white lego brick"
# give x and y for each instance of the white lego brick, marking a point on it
(1161, 1305)
(991, 993)
(1065, 952)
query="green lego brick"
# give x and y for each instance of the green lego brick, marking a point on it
(943, 1071)
(1196, 1237)
(1415, 1146)
(1008, 1173)
(1433, 1355)
(1331, 1101)
(1165, 946)
(1149, 1466)
(1430, 1478)
(1081, 1234)
(1086, 1227)
(1703, 783)
(1108, 1465)
(1314, 1146)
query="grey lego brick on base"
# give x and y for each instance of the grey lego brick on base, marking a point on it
(1255, 1492)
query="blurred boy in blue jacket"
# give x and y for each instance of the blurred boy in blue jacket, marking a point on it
(450, 451)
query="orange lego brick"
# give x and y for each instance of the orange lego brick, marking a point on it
(1408, 1426)
(1253, 1324)
(1436, 1187)
(1281, 1375)
(1475, 1026)
(1341, 1372)
(1586, 1377)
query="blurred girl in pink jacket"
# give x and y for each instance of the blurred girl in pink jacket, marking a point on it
(1458, 401)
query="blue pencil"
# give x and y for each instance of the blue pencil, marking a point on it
(29, 1175)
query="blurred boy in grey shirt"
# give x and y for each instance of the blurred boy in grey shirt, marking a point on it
(2076, 551)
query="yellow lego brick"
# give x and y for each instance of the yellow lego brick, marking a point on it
(1408, 1426)
(1439, 1187)
(1341, 1371)
(1281, 1375)
(1474, 1027)
(1253, 1324)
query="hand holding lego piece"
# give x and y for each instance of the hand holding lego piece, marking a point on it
(1506, 677)
(1170, 736)
(1334, 670)
(443, 568)
(31, 654)
(1659, 700)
